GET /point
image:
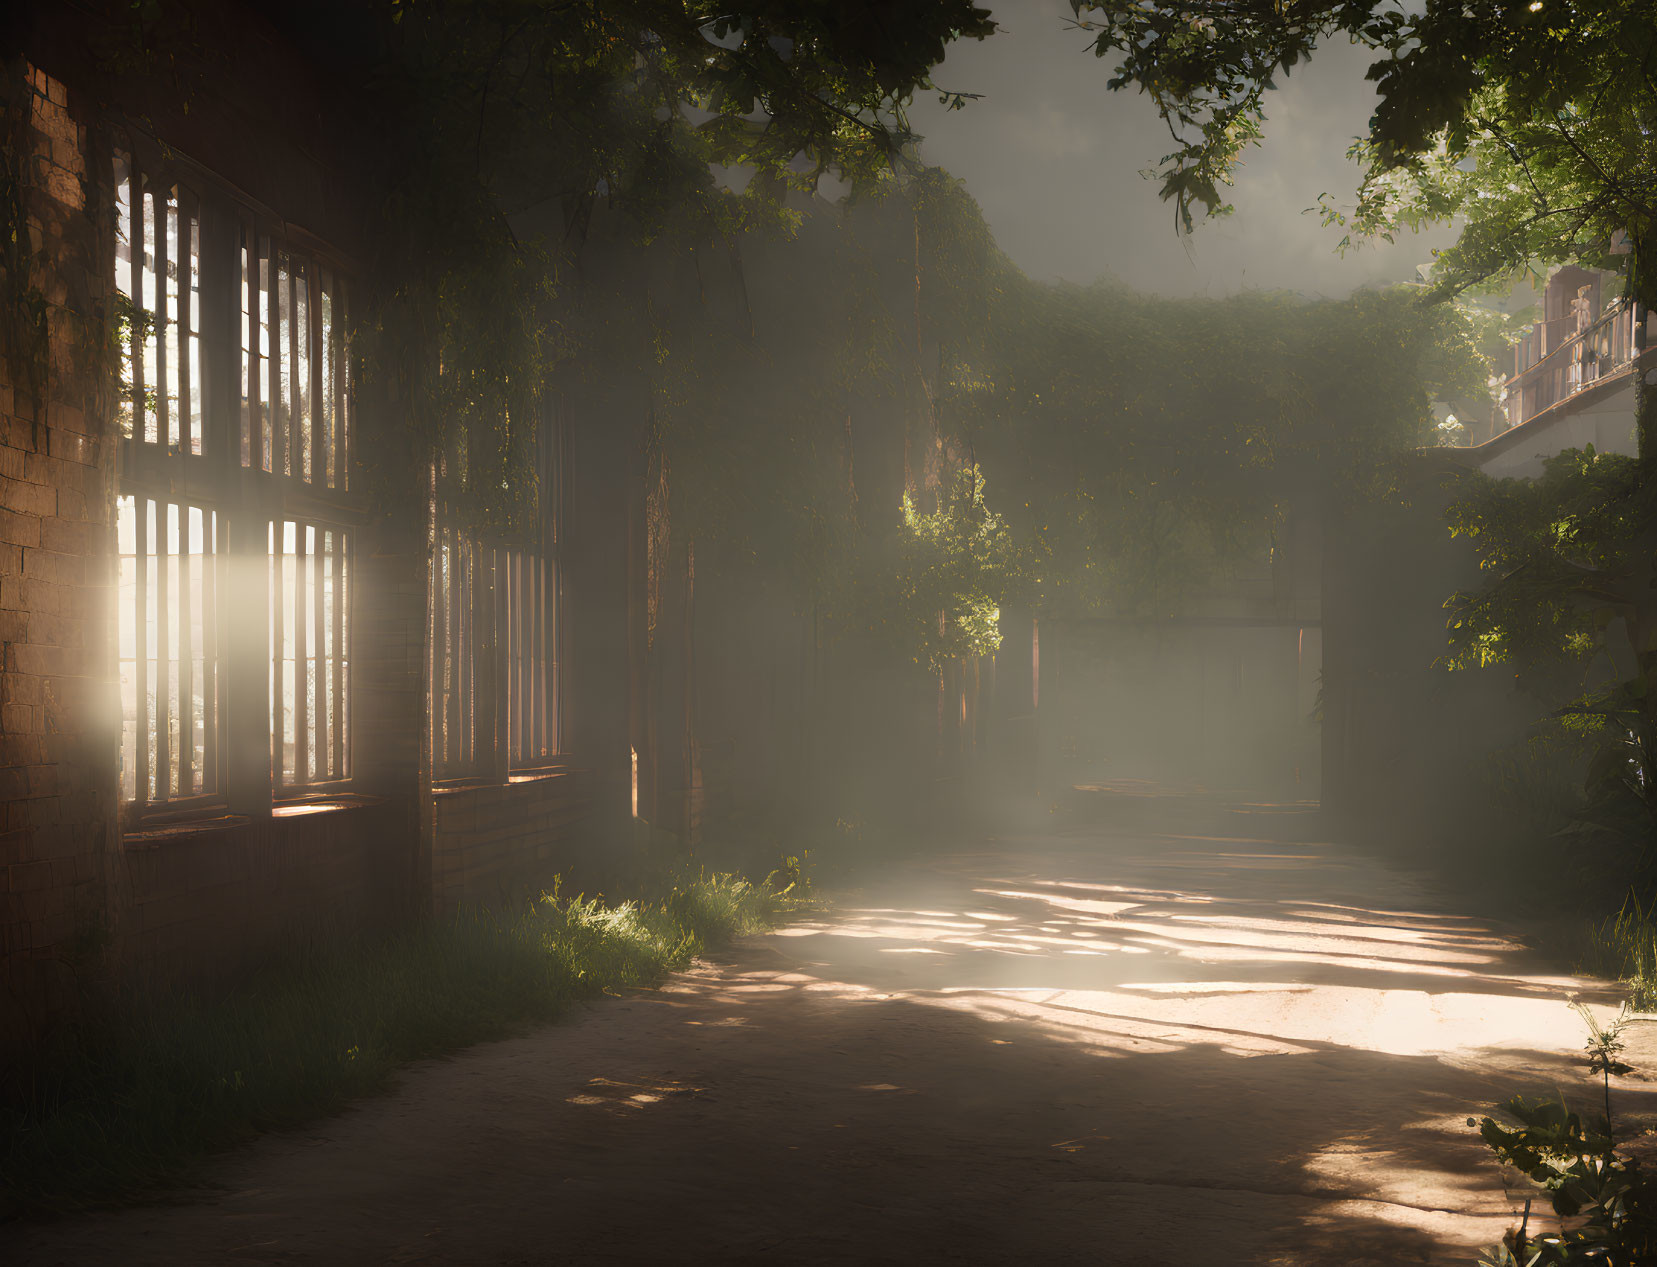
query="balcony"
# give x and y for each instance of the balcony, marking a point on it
(1562, 357)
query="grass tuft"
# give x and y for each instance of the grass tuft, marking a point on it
(136, 1101)
(1624, 947)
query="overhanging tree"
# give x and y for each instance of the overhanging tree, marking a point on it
(491, 130)
(1533, 121)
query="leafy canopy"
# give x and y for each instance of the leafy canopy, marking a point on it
(498, 127)
(1531, 119)
(1564, 555)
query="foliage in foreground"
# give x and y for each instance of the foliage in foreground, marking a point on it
(1624, 947)
(1606, 1205)
(1569, 599)
(138, 1101)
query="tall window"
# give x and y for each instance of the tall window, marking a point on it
(493, 638)
(294, 421)
(218, 301)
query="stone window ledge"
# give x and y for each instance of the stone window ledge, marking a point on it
(155, 832)
(163, 829)
(473, 783)
(310, 803)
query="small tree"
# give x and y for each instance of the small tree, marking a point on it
(1571, 596)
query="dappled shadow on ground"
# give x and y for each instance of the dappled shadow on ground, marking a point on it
(1196, 1048)
(1301, 1011)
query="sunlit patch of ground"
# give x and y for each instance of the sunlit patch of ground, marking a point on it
(1249, 960)
(1192, 1048)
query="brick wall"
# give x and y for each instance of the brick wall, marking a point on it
(492, 842)
(193, 904)
(57, 695)
(390, 753)
(202, 902)
(212, 902)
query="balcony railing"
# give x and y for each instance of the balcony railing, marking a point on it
(1557, 359)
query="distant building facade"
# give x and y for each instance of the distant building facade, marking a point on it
(1572, 381)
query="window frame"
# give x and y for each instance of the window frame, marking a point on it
(204, 470)
(481, 695)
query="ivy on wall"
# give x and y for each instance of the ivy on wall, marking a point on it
(23, 331)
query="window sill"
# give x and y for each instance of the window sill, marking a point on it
(532, 774)
(151, 834)
(465, 783)
(322, 803)
(162, 829)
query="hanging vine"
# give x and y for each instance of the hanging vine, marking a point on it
(23, 329)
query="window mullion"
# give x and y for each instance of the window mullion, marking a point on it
(313, 360)
(456, 649)
(301, 712)
(141, 629)
(278, 710)
(210, 674)
(163, 657)
(337, 666)
(186, 661)
(316, 669)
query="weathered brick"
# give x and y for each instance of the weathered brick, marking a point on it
(17, 433)
(63, 416)
(71, 447)
(58, 929)
(41, 812)
(70, 713)
(55, 841)
(20, 688)
(44, 661)
(54, 122)
(50, 565)
(23, 530)
(14, 848)
(21, 749)
(26, 498)
(45, 596)
(63, 535)
(37, 469)
(58, 631)
(30, 877)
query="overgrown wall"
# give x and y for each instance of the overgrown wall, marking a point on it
(57, 696)
(496, 842)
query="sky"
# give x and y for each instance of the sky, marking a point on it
(1054, 160)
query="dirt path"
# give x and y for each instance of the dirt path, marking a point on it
(1108, 1047)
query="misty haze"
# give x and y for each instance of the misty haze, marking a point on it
(997, 631)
